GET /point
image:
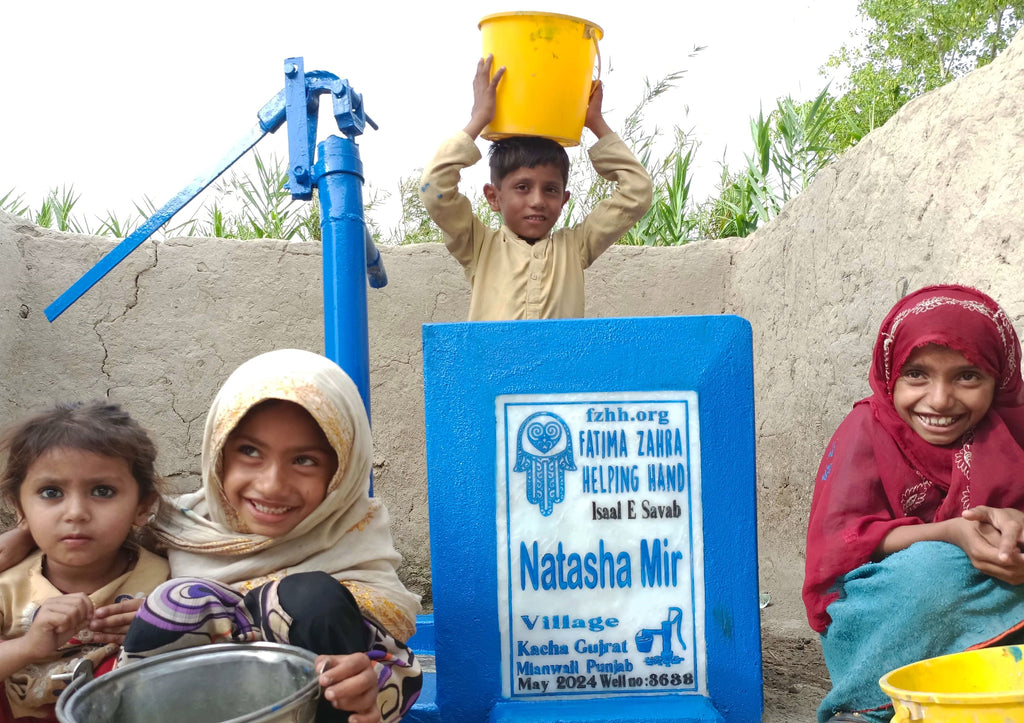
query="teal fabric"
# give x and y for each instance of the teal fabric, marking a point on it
(925, 601)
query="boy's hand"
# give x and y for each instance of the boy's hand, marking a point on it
(110, 623)
(56, 621)
(484, 96)
(594, 121)
(350, 683)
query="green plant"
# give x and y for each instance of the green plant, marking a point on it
(672, 219)
(753, 199)
(800, 148)
(64, 203)
(44, 216)
(240, 206)
(55, 211)
(309, 220)
(484, 212)
(790, 148)
(13, 204)
(414, 225)
(217, 222)
(733, 211)
(111, 225)
(672, 205)
(910, 47)
(266, 211)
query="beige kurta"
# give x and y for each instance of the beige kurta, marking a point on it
(510, 278)
(23, 588)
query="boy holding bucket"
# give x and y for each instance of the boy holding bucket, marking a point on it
(523, 270)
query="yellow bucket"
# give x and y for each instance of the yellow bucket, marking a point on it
(549, 66)
(979, 686)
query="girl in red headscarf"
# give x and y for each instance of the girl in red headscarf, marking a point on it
(915, 533)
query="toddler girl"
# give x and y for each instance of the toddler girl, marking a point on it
(80, 476)
(284, 516)
(913, 545)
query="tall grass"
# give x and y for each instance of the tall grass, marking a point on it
(266, 208)
(414, 225)
(55, 211)
(13, 204)
(242, 206)
(788, 148)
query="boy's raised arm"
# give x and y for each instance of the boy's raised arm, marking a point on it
(633, 191)
(439, 185)
(484, 96)
(594, 120)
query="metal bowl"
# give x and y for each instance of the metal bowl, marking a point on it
(220, 683)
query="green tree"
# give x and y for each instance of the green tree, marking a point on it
(909, 47)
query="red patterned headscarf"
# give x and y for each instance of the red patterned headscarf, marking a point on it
(878, 474)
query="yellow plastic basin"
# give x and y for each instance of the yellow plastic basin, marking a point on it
(978, 686)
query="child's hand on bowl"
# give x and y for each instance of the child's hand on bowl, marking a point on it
(350, 683)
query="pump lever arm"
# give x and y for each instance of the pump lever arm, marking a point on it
(271, 116)
(296, 103)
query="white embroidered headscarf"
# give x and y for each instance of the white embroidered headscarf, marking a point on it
(348, 535)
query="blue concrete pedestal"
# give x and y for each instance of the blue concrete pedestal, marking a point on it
(666, 709)
(425, 708)
(497, 648)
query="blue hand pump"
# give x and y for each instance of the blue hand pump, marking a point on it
(348, 249)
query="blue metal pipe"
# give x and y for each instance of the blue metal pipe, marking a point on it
(375, 272)
(338, 173)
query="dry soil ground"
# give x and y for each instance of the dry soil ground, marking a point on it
(795, 679)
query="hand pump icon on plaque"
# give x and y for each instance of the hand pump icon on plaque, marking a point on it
(645, 640)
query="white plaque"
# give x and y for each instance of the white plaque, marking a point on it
(600, 546)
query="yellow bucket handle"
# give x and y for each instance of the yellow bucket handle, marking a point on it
(589, 33)
(901, 714)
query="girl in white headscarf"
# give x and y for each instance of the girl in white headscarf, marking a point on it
(284, 515)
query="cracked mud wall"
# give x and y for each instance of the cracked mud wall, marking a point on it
(165, 328)
(933, 196)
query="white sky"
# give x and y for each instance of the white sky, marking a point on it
(126, 98)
